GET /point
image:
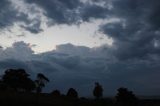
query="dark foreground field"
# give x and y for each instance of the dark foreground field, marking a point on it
(30, 99)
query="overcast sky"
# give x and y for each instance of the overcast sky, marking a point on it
(78, 42)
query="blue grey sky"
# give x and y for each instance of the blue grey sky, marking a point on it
(78, 42)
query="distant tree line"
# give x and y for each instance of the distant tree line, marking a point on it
(18, 80)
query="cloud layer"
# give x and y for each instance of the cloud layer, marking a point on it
(79, 67)
(132, 61)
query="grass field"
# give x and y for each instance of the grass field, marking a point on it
(32, 99)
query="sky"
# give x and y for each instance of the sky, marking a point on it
(78, 42)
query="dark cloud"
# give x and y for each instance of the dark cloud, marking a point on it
(10, 15)
(134, 36)
(79, 67)
(72, 11)
(132, 61)
(134, 14)
(59, 11)
(11, 63)
(93, 11)
(33, 27)
(7, 14)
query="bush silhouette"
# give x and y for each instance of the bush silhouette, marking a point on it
(72, 93)
(40, 82)
(3, 86)
(56, 93)
(98, 91)
(18, 80)
(125, 97)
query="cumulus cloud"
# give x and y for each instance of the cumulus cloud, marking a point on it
(134, 36)
(131, 61)
(32, 14)
(7, 14)
(59, 11)
(73, 11)
(18, 51)
(15, 12)
(134, 14)
(79, 67)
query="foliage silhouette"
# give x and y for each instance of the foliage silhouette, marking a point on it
(98, 91)
(40, 82)
(125, 97)
(3, 86)
(56, 93)
(72, 93)
(18, 80)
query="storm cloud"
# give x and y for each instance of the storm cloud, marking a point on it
(135, 15)
(79, 67)
(137, 34)
(12, 14)
(31, 14)
(131, 61)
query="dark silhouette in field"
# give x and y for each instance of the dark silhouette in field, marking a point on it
(3, 86)
(18, 80)
(72, 93)
(126, 98)
(98, 91)
(56, 93)
(40, 82)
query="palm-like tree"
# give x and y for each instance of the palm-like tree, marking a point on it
(40, 82)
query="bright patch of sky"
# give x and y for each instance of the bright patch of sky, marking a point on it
(85, 34)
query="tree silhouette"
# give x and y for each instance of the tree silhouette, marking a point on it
(56, 93)
(125, 97)
(98, 90)
(18, 80)
(72, 93)
(40, 82)
(3, 86)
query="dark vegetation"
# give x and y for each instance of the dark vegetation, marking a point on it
(98, 91)
(17, 89)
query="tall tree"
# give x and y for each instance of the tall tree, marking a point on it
(40, 82)
(18, 79)
(72, 93)
(98, 90)
(125, 97)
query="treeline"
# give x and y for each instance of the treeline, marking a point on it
(18, 80)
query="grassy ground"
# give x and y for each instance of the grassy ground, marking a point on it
(31, 99)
